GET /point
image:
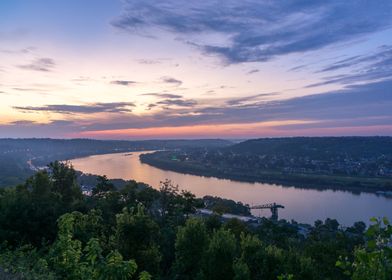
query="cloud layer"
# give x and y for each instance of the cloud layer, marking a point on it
(259, 30)
(357, 106)
(115, 107)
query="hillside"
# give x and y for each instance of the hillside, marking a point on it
(317, 147)
(349, 163)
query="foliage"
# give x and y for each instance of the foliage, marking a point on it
(191, 243)
(286, 277)
(49, 230)
(29, 212)
(219, 256)
(241, 271)
(374, 259)
(220, 205)
(103, 186)
(136, 237)
(25, 262)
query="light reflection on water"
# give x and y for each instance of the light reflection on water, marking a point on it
(302, 205)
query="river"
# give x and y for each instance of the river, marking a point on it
(302, 205)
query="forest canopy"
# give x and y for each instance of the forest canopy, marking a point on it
(50, 230)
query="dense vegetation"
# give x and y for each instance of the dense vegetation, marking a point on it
(50, 230)
(220, 205)
(351, 163)
(20, 157)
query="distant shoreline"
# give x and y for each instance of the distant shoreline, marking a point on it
(302, 181)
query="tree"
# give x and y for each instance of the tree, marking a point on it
(236, 226)
(28, 213)
(147, 196)
(89, 225)
(189, 202)
(175, 206)
(66, 253)
(64, 181)
(169, 199)
(191, 243)
(103, 186)
(129, 193)
(136, 237)
(219, 257)
(213, 222)
(241, 271)
(252, 255)
(70, 261)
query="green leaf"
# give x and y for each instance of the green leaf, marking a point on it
(371, 244)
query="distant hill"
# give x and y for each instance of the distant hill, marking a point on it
(316, 147)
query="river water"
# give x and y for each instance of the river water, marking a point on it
(302, 205)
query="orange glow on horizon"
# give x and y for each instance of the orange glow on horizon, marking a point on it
(201, 131)
(251, 130)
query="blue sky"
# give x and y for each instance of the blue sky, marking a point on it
(195, 69)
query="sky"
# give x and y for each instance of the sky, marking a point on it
(126, 69)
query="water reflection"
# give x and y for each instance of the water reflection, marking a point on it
(303, 205)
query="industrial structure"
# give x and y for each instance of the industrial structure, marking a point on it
(272, 206)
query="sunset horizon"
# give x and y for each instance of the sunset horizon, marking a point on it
(196, 140)
(146, 70)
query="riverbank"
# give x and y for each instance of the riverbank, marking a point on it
(379, 186)
(303, 205)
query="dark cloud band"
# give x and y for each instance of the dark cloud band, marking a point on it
(116, 107)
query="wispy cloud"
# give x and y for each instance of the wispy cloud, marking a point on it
(252, 98)
(148, 61)
(163, 95)
(22, 123)
(170, 80)
(178, 102)
(297, 68)
(123, 82)
(168, 100)
(382, 56)
(82, 79)
(116, 107)
(253, 71)
(365, 68)
(40, 64)
(260, 30)
(18, 51)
